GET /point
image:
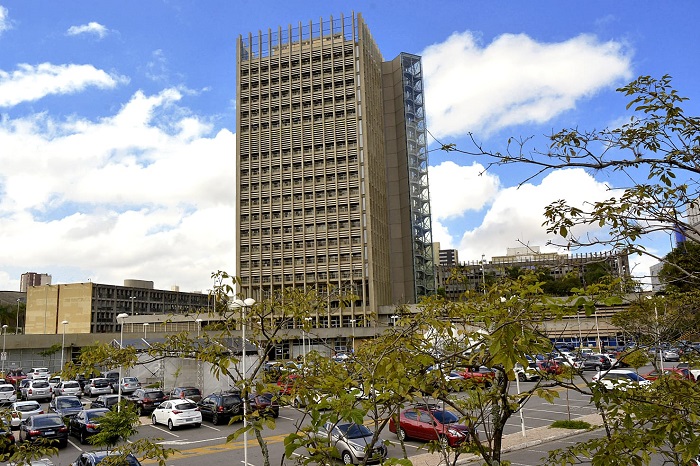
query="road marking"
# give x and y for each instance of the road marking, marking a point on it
(163, 430)
(211, 427)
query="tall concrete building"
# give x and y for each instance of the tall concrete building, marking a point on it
(332, 186)
(33, 279)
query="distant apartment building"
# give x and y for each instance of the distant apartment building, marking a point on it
(455, 280)
(93, 308)
(33, 279)
(332, 183)
(449, 257)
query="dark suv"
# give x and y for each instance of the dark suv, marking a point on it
(146, 399)
(595, 362)
(221, 407)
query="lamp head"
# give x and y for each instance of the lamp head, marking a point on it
(123, 315)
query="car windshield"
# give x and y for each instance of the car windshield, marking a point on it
(185, 405)
(7, 388)
(47, 421)
(40, 384)
(69, 403)
(190, 391)
(95, 414)
(130, 379)
(71, 385)
(25, 408)
(445, 417)
(355, 430)
(156, 394)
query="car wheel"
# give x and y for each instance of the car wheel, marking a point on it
(199, 424)
(215, 419)
(347, 458)
(401, 434)
(83, 437)
(139, 410)
(598, 368)
(153, 420)
(444, 443)
(521, 376)
(236, 409)
(170, 424)
(63, 444)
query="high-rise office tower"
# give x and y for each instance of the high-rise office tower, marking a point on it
(332, 186)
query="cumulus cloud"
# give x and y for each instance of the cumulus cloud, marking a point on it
(475, 189)
(4, 19)
(514, 80)
(144, 193)
(92, 27)
(29, 83)
(516, 214)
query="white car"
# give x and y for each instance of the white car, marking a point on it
(620, 379)
(37, 389)
(68, 387)
(176, 413)
(22, 410)
(526, 374)
(7, 393)
(39, 373)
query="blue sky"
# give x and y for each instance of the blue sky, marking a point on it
(117, 120)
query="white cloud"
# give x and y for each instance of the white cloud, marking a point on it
(514, 80)
(29, 83)
(516, 214)
(455, 189)
(90, 28)
(4, 20)
(145, 193)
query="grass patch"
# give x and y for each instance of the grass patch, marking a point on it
(571, 424)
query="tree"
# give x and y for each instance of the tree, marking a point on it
(687, 257)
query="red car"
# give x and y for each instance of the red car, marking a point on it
(673, 372)
(428, 422)
(549, 366)
(14, 376)
(478, 374)
(286, 383)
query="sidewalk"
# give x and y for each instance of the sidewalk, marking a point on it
(512, 442)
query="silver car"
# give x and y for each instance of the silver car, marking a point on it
(7, 393)
(351, 440)
(68, 387)
(22, 410)
(37, 390)
(99, 386)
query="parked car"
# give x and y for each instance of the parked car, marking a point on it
(66, 406)
(93, 458)
(47, 426)
(670, 372)
(480, 375)
(265, 404)
(549, 366)
(176, 413)
(37, 389)
(97, 386)
(113, 377)
(429, 422)
(693, 371)
(7, 438)
(593, 362)
(286, 383)
(146, 399)
(526, 374)
(86, 423)
(14, 376)
(192, 393)
(129, 385)
(105, 401)
(220, 407)
(68, 387)
(22, 410)
(670, 355)
(620, 379)
(38, 373)
(54, 381)
(7, 393)
(350, 442)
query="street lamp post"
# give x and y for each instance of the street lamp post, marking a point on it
(132, 298)
(63, 342)
(120, 319)
(303, 344)
(244, 305)
(199, 326)
(393, 320)
(658, 336)
(4, 355)
(145, 329)
(352, 322)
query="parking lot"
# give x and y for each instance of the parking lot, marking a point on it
(208, 442)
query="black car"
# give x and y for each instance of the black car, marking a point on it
(65, 406)
(48, 426)
(106, 401)
(86, 423)
(7, 438)
(191, 393)
(93, 458)
(221, 407)
(595, 362)
(146, 399)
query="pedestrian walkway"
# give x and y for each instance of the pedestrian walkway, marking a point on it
(516, 441)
